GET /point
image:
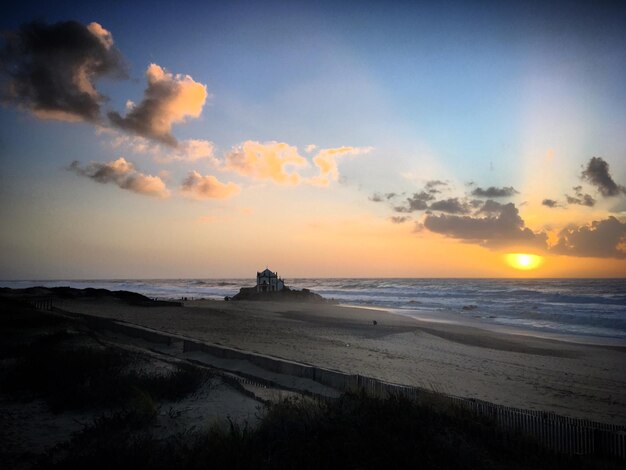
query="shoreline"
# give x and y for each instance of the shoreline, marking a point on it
(586, 315)
(434, 316)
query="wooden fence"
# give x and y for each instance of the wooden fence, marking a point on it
(560, 433)
(42, 304)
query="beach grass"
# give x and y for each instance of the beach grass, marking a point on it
(69, 375)
(354, 431)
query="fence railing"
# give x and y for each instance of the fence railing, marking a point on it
(42, 304)
(560, 433)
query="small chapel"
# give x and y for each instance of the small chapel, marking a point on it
(267, 281)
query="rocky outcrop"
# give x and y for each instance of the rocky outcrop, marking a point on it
(285, 295)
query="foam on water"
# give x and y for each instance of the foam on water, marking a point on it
(595, 307)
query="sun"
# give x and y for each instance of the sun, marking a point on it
(523, 261)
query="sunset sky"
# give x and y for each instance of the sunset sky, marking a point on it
(362, 139)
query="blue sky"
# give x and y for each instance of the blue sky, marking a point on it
(455, 75)
(484, 93)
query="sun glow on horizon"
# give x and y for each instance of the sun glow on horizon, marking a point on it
(523, 261)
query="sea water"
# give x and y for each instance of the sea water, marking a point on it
(589, 307)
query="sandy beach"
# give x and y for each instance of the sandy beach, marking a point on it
(571, 379)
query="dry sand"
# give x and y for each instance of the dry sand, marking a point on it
(578, 380)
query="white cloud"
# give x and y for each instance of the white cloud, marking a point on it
(266, 161)
(326, 163)
(168, 99)
(192, 150)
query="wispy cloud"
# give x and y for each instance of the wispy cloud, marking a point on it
(274, 161)
(201, 187)
(123, 174)
(417, 202)
(326, 162)
(435, 186)
(580, 198)
(550, 203)
(377, 197)
(190, 151)
(494, 192)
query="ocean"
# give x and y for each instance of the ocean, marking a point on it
(585, 307)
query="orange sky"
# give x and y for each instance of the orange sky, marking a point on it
(314, 147)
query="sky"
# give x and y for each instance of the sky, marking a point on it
(321, 139)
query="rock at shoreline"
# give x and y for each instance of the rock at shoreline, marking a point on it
(284, 295)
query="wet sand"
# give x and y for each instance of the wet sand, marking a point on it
(572, 379)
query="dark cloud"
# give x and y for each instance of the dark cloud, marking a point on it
(451, 206)
(581, 199)
(426, 201)
(377, 197)
(167, 100)
(550, 203)
(434, 185)
(123, 174)
(397, 219)
(597, 173)
(492, 191)
(600, 239)
(490, 207)
(504, 229)
(50, 70)
(417, 202)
